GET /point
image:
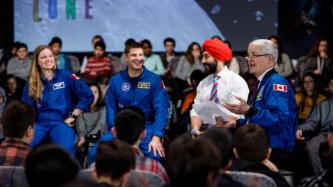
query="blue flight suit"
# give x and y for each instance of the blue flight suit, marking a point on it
(57, 101)
(146, 92)
(275, 110)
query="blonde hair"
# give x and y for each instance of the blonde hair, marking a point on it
(35, 83)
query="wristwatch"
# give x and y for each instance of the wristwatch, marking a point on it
(195, 132)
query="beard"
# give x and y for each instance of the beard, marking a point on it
(210, 68)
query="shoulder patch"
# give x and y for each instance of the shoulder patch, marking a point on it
(280, 87)
(75, 77)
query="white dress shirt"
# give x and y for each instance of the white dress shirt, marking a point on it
(230, 85)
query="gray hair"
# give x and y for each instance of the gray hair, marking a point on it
(267, 47)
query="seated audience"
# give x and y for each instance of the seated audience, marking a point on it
(324, 178)
(283, 66)
(169, 57)
(194, 163)
(99, 64)
(92, 124)
(130, 128)
(18, 127)
(13, 88)
(152, 62)
(189, 62)
(63, 61)
(114, 162)
(103, 84)
(20, 64)
(252, 150)
(223, 140)
(309, 96)
(318, 61)
(319, 122)
(51, 166)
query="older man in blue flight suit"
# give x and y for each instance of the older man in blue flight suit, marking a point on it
(273, 105)
(137, 86)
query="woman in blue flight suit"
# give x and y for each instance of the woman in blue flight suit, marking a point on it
(51, 92)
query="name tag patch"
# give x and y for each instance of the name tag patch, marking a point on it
(144, 85)
(58, 85)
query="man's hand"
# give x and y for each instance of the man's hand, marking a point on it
(70, 121)
(240, 108)
(317, 71)
(156, 146)
(221, 123)
(299, 135)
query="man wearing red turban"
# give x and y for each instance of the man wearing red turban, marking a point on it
(222, 85)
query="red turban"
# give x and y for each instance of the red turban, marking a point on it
(217, 49)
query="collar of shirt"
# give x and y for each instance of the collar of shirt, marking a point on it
(223, 73)
(13, 142)
(262, 75)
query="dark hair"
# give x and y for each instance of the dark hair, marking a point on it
(315, 92)
(21, 45)
(99, 37)
(169, 39)
(228, 43)
(129, 41)
(251, 143)
(189, 161)
(16, 118)
(55, 40)
(188, 53)
(100, 44)
(132, 46)
(223, 140)
(104, 80)
(146, 41)
(197, 75)
(217, 37)
(50, 165)
(129, 123)
(314, 51)
(114, 159)
(100, 101)
(279, 46)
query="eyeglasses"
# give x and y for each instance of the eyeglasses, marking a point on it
(252, 56)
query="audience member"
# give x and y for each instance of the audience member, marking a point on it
(189, 62)
(3, 101)
(52, 92)
(319, 122)
(99, 64)
(283, 66)
(130, 128)
(62, 60)
(273, 106)
(20, 64)
(92, 124)
(18, 128)
(309, 96)
(318, 61)
(114, 162)
(194, 163)
(169, 57)
(153, 62)
(103, 83)
(51, 166)
(252, 150)
(233, 64)
(223, 140)
(13, 88)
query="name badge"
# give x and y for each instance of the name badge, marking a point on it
(58, 85)
(144, 85)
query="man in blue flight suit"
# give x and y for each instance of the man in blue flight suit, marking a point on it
(273, 105)
(137, 86)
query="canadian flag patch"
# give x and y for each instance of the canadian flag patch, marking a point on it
(280, 87)
(75, 77)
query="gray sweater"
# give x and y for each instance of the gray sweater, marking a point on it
(90, 123)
